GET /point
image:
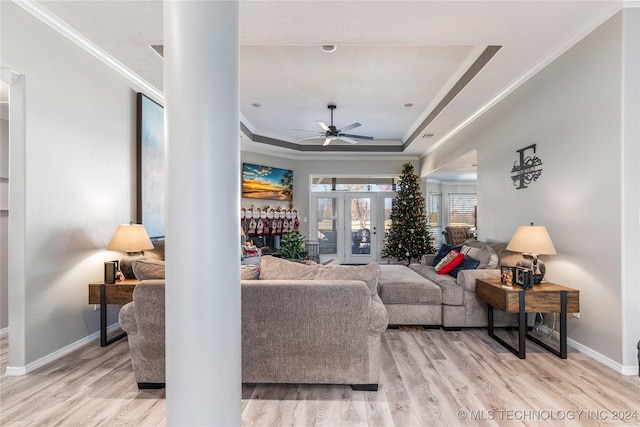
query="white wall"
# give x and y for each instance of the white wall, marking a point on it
(573, 111)
(77, 170)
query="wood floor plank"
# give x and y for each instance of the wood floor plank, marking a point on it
(428, 378)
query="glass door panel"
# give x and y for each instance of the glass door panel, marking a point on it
(361, 228)
(327, 225)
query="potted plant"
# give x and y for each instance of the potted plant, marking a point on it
(292, 246)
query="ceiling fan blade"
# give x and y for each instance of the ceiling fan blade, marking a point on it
(310, 131)
(349, 127)
(328, 140)
(310, 137)
(324, 126)
(347, 139)
(369, 138)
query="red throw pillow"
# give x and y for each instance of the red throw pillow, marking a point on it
(449, 262)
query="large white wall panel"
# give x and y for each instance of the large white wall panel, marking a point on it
(78, 172)
(572, 111)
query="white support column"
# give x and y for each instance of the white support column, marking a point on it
(201, 57)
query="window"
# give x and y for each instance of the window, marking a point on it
(462, 209)
(434, 218)
(435, 210)
(321, 184)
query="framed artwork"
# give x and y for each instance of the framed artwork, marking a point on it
(266, 182)
(151, 166)
(506, 275)
(523, 277)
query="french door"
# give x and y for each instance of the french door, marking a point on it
(350, 227)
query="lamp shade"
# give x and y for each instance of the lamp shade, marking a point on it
(130, 238)
(532, 239)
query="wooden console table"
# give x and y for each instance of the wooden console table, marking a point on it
(542, 298)
(110, 293)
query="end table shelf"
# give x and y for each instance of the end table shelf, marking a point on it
(110, 293)
(542, 298)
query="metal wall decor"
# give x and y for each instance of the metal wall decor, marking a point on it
(527, 170)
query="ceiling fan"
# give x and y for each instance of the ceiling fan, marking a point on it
(331, 133)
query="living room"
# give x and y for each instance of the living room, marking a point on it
(73, 181)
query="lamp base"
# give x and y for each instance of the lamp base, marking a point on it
(126, 264)
(527, 262)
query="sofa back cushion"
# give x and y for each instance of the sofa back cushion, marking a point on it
(157, 252)
(249, 272)
(369, 274)
(273, 268)
(148, 269)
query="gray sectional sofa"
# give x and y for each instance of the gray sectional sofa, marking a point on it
(418, 295)
(300, 324)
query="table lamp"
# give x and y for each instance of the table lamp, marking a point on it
(532, 240)
(132, 239)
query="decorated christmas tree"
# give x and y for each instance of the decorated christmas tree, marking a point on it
(409, 234)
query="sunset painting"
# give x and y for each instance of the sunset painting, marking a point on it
(265, 182)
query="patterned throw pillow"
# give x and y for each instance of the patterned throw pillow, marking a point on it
(482, 252)
(449, 262)
(444, 250)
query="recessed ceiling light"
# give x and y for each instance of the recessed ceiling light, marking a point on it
(256, 105)
(408, 105)
(329, 47)
(427, 135)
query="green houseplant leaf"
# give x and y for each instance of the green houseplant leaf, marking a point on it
(292, 246)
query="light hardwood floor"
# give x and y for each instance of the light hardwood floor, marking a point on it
(429, 378)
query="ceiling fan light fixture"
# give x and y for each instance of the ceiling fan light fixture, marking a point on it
(329, 48)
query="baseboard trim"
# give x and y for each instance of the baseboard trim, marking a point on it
(622, 369)
(15, 371)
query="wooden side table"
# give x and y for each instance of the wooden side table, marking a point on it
(110, 293)
(542, 298)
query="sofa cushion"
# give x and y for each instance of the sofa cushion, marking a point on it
(369, 274)
(402, 285)
(468, 263)
(482, 252)
(157, 252)
(378, 318)
(148, 269)
(449, 262)
(273, 268)
(249, 272)
(452, 294)
(444, 250)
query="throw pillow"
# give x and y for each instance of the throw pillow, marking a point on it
(272, 268)
(444, 250)
(482, 252)
(249, 272)
(148, 269)
(449, 262)
(467, 263)
(368, 273)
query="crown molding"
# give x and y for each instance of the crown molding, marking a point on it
(60, 26)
